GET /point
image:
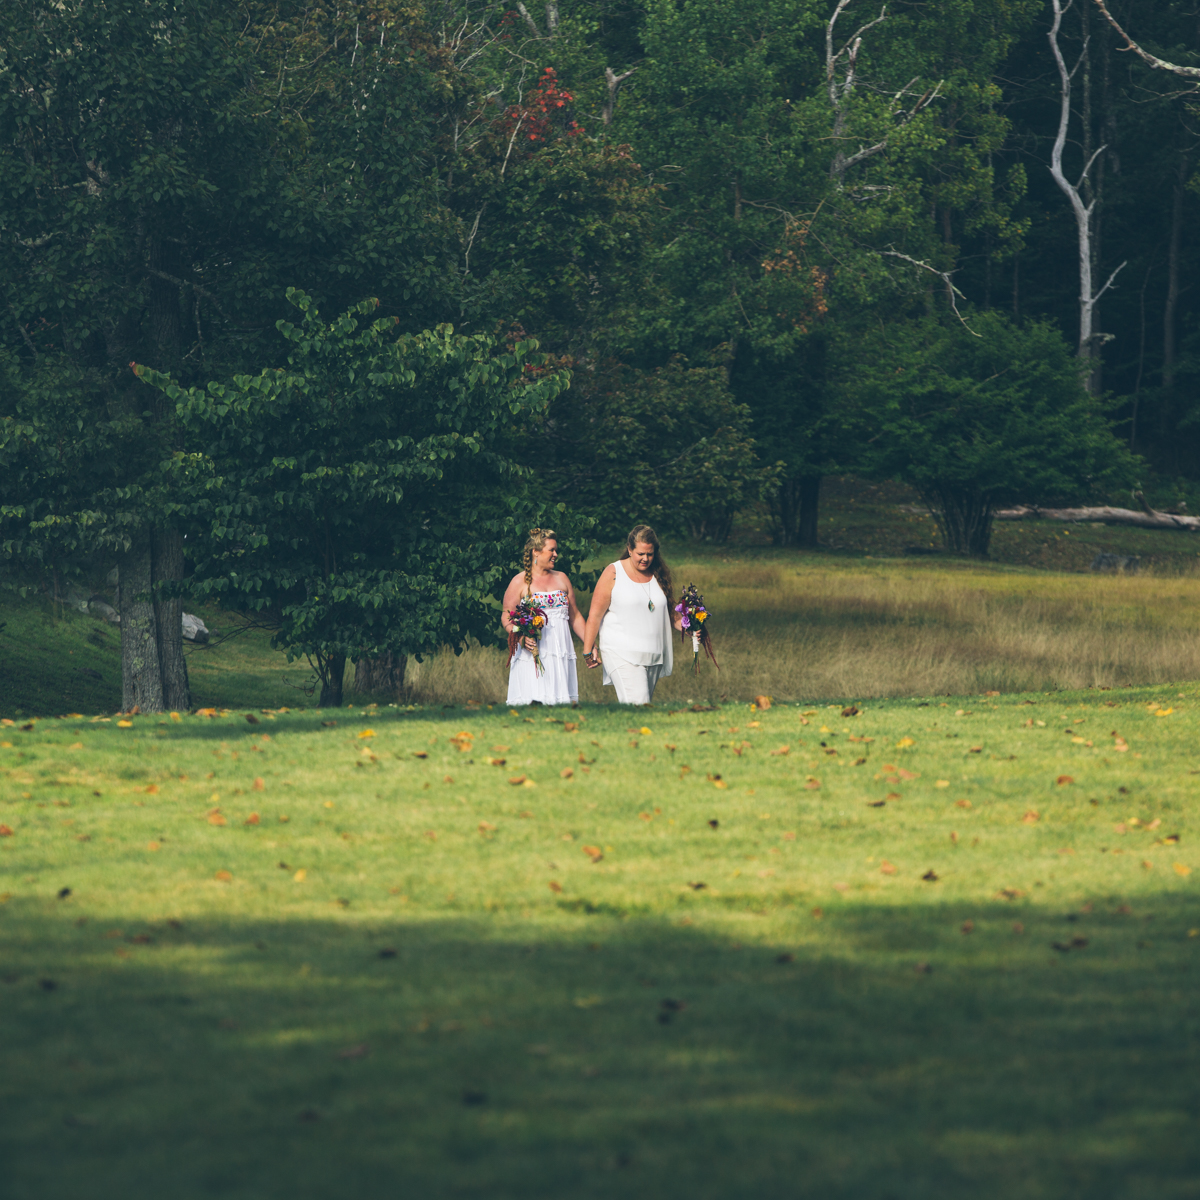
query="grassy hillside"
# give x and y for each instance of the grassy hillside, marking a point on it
(940, 948)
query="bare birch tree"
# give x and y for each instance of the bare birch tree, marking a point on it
(1084, 213)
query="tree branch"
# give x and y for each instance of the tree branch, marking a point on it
(1156, 64)
(944, 276)
(528, 19)
(614, 82)
(24, 332)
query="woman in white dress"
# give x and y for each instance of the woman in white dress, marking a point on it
(630, 618)
(558, 683)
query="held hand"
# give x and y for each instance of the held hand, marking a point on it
(530, 644)
(592, 660)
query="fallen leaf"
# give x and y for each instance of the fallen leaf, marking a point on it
(486, 827)
(713, 823)
(1182, 869)
(6, 831)
(781, 751)
(850, 711)
(1032, 817)
(788, 958)
(1064, 779)
(517, 780)
(120, 725)
(420, 754)
(942, 783)
(153, 846)
(904, 743)
(967, 927)
(495, 762)
(567, 773)
(762, 702)
(886, 868)
(223, 877)
(431, 834)
(593, 852)
(1018, 927)
(813, 785)
(1155, 823)
(876, 803)
(930, 876)
(369, 733)
(697, 886)
(252, 819)
(570, 726)
(789, 837)
(906, 775)
(962, 804)
(893, 796)
(215, 818)
(555, 886)
(300, 876)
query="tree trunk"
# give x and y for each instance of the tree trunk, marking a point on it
(810, 498)
(141, 672)
(333, 673)
(382, 676)
(167, 567)
(965, 519)
(795, 508)
(153, 670)
(1170, 308)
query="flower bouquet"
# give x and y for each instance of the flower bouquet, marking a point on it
(693, 618)
(527, 619)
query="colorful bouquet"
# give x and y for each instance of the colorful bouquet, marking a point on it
(527, 619)
(694, 616)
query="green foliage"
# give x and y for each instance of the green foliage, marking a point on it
(976, 419)
(669, 447)
(364, 499)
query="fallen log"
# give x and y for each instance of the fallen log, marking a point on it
(1149, 519)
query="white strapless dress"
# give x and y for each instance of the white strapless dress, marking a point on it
(559, 683)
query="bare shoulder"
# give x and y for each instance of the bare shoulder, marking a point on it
(519, 577)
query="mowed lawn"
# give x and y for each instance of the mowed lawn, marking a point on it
(939, 948)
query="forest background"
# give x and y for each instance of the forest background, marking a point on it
(311, 309)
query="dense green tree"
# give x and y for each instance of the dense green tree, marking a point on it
(364, 499)
(976, 418)
(669, 447)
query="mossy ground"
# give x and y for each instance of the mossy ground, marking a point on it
(433, 981)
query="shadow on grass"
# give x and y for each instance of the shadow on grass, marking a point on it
(493, 1056)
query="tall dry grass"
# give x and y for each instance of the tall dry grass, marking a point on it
(799, 630)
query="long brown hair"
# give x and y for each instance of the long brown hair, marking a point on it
(643, 533)
(536, 541)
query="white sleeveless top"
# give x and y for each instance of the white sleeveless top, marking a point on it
(630, 631)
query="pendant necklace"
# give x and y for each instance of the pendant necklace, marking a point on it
(649, 602)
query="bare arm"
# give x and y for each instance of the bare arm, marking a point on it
(601, 598)
(578, 625)
(511, 595)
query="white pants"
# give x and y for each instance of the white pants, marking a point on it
(633, 684)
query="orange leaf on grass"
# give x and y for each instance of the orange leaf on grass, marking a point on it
(567, 773)
(252, 819)
(259, 785)
(6, 831)
(152, 789)
(593, 852)
(1062, 780)
(223, 877)
(555, 886)
(215, 818)
(517, 780)
(420, 754)
(886, 868)
(1032, 817)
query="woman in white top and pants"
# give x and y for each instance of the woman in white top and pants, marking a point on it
(631, 619)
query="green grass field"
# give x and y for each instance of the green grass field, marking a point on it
(939, 948)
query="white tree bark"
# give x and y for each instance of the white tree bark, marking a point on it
(1084, 213)
(1157, 64)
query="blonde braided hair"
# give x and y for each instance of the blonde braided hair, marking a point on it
(536, 541)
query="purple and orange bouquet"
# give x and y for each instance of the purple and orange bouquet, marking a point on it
(693, 621)
(527, 619)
